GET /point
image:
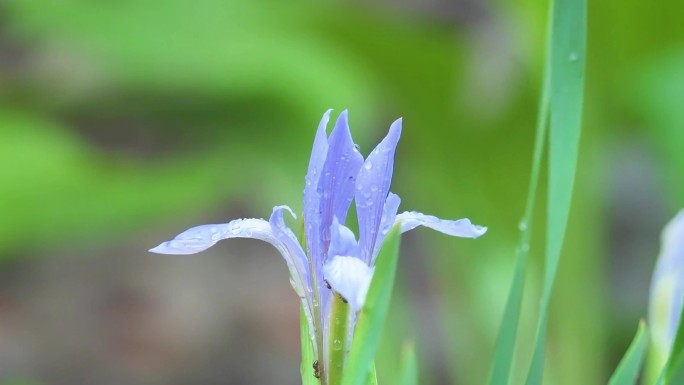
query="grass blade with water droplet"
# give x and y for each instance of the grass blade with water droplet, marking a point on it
(567, 56)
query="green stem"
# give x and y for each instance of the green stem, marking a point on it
(337, 345)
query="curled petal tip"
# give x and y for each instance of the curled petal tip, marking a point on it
(284, 207)
(479, 231)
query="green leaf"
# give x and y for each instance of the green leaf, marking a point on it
(506, 339)
(674, 368)
(372, 377)
(308, 355)
(372, 316)
(567, 56)
(627, 371)
(409, 366)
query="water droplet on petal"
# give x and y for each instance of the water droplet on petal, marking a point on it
(359, 187)
(368, 165)
(337, 344)
(369, 202)
(357, 148)
(374, 188)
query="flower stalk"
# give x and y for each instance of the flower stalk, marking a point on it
(337, 342)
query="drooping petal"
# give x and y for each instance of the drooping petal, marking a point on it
(299, 262)
(343, 241)
(667, 287)
(389, 214)
(336, 184)
(409, 220)
(200, 238)
(372, 187)
(312, 199)
(350, 277)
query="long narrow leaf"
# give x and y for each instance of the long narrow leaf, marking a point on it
(627, 371)
(674, 368)
(374, 313)
(568, 40)
(409, 366)
(506, 339)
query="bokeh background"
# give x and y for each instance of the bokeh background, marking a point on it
(123, 122)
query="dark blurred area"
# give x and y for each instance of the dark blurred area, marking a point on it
(125, 122)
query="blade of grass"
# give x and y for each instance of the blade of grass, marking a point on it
(374, 313)
(568, 40)
(627, 371)
(506, 339)
(409, 366)
(674, 368)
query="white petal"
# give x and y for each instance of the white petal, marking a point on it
(350, 277)
(458, 228)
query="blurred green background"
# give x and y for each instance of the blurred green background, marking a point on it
(124, 122)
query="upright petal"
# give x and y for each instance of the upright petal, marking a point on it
(343, 241)
(459, 228)
(389, 214)
(312, 199)
(372, 187)
(351, 278)
(336, 184)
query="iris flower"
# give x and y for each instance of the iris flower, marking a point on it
(667, 290)
(332, 260)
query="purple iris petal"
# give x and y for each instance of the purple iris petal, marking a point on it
(200, 238)
(389, 214)
(336, 184)
(283, 234)
(459, 228)
(312, 199)
(343, 241)
(372, 187)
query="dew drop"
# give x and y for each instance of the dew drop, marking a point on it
(374, 188)
(369, 202)
(337, 344)
(368, 165)
(359, 187)
(522, 226)
(572, 56)
(357, 148)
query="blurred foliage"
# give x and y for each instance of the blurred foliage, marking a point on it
(118, 116)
